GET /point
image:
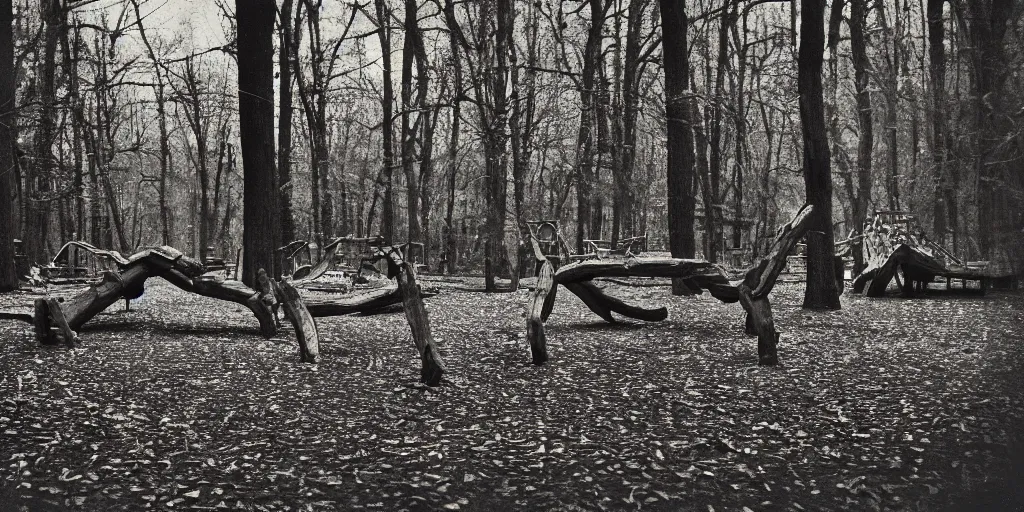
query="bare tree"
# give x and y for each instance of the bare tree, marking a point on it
(256, 126)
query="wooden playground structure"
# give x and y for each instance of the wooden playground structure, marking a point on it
(896, 247)
(128, 277)
(694, 276)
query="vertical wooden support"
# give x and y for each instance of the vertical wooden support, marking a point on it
(759, 318)
(57, 314)
(416, 314)
(302, 321)
(41, 322)
(535, 313)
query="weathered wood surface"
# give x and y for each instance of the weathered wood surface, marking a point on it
(305, 326)
(57, 314)
(41, 322)
(227, 290)
(916, 265)
(760, 322)
(315, 271)
(433, 367)
(761, 278)
(535, 313)
(689, 276)
(368, 302)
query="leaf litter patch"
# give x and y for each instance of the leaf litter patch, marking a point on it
(885, 405)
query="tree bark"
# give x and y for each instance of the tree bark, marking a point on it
(821, 291)
(38, 181)
(8, 272)
(387, 218)
(681, 201)
(284, 132)
(262, 232)
(865, 127)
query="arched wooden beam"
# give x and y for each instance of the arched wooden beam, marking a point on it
(228, 290)
(367, 302)
(184, 273)
(321, 266)
(752, 291)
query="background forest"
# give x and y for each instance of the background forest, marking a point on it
(395, 117)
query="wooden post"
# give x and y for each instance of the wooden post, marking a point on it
(759, 317)
(304, 324)
(535, 313)
(41, 321)
(416, 314)
(70, 336)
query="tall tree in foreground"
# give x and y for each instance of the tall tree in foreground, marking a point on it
(681, 199)
(821, 292)
(284, 130)
(261, 229)
(8, 274)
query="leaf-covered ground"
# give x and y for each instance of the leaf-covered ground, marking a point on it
(888, 404)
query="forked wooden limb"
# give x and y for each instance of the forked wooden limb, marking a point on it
(761, 322)
(535, 313)
(433, 368)
(302, 321)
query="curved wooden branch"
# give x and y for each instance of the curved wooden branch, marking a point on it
(321, 266)
(368, 302)
(228, 290)
(761, 278)
(305, 327)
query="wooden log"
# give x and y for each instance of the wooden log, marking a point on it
(70, 336)
(367, 302)
(83, 307)
(41, 322)
(642, 267)
(416, 314)
(303, 322)
(317, 270)
(535, 313)
(761, 278)
(228, 290)
(759, 318)
(604, 305)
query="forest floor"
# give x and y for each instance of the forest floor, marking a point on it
(888, 404)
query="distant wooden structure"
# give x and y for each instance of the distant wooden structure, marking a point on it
(896, 247)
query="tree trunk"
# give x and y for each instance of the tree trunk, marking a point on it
(821, 291)
(681, 201)
(261, 233)
(284, 133)
(865, 124)
(38, 181)
(8, 272)
(387, 218)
